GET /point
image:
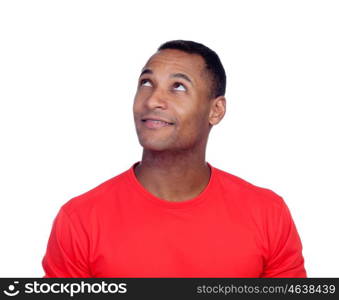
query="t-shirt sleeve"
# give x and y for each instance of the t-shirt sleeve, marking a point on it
(67, 249)
(285, 257)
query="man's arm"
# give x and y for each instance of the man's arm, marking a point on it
(285, 248)
(67, 249)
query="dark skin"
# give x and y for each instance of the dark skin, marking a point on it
(175, 87)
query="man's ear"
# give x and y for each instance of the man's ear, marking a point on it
(217, 110)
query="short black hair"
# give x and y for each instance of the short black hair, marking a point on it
(212, 62)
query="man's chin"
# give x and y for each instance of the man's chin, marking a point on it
(155, 147)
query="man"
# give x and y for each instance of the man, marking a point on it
(173, 214)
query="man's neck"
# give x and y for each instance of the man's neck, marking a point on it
(173, 176)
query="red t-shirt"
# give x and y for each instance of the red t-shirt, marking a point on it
(119, 229)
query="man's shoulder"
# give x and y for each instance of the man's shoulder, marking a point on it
(246, 192)
(97, 196)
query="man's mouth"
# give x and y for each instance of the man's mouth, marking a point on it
(150, 123)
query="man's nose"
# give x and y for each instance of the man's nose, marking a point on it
(157, 99)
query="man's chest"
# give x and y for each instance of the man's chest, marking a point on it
(177, 247)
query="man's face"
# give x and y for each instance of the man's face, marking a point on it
(171, 105)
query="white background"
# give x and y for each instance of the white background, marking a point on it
(68, 74)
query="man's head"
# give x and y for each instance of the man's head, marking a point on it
(182, 86)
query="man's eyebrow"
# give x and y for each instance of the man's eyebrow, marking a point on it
(146, 71)
(183, 76)
(175, 75)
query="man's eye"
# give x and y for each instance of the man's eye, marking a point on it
(145, 82)
(179, 86)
